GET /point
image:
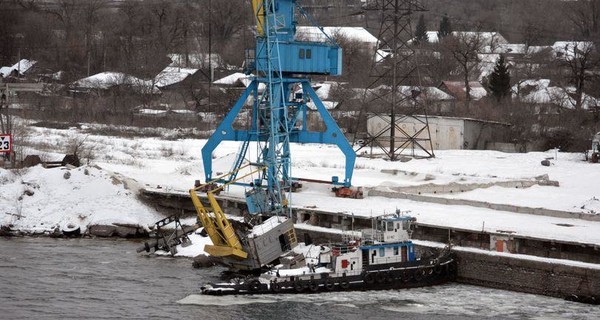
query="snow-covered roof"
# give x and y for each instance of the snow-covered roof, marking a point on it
(239, 79)
(427, 93)
(106, 80)
(235, 78)
(537, 49)
(5, 71)
(323, 91)
(458, 90)
(195, 60)
(487, 38)
(487, 63)
(430, 94)
(23, 65)
(568, 49)
(172, 75)
(313, 34)
(539, 91)
(511, 48)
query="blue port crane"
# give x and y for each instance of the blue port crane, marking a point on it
(281, 65)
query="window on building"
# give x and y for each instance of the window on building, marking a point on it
(301, 54)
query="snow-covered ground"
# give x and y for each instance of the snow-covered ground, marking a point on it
(97, 197)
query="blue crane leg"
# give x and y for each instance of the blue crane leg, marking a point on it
(332, 134)
(225, 131)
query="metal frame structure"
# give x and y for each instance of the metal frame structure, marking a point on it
(278, 116)
(393, 66)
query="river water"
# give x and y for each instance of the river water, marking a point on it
(42, 278)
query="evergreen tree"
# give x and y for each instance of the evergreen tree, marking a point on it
(500, 79)
(445, 27)
(421, 31)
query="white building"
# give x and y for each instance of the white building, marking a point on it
(446, 132)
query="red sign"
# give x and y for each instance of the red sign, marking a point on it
(5, 143)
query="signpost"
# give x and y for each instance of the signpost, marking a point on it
(5, 143)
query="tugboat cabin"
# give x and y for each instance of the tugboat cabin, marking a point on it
(387, 245)
(388, 242)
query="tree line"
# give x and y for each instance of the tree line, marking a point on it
(84, 37)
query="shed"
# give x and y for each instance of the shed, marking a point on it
(447, 133)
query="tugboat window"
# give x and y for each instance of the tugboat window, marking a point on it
(395, 251)
(301, 54)
(390, 226)
(308, 54)
(382, 252)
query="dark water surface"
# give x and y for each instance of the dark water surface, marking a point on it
(43, 278)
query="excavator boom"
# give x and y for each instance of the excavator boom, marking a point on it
(217, 226)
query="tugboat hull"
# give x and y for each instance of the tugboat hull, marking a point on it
(420, 275)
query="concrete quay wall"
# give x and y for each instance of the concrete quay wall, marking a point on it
(531, 276)
(506, 272)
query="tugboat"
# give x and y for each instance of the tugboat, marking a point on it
(382, 258)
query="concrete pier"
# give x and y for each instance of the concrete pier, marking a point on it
(531, 267)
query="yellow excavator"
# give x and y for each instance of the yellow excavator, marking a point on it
(219, 229)
(247, 247)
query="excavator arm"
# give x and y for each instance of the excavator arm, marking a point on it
(225, 242)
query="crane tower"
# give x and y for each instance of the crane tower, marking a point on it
(281, 65)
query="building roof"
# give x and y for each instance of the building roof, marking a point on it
(172, 75)
(427, 93)
(23, 65)
(238, 78)
(323, 91)
(568, 49)
(314, 34)
(107, 80)
(487, 63)
(488, 38)
(511, 48)
(408, 94)
(539, 91)
(457, 89)
(195, 60)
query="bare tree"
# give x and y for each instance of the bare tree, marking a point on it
(464, 48)
(356, 59)
(585, 16)
(439, 64)
(579, 59)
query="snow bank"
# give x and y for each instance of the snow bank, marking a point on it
(43, 199)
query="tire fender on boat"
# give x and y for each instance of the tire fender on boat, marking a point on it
(328, 284)
(369, 278)
(344, 283)
(313, 286)
(419, 274)
(381, 276)
(389, 277)
(254, 285)
(298, 286)
(275, 286)
(405, 276)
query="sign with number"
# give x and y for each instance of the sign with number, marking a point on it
(5, 143)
